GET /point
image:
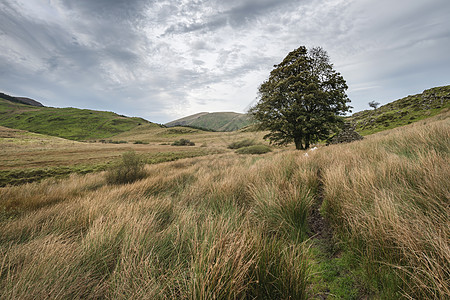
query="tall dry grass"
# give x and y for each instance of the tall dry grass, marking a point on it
(235, 227)
(388, 198)
(193, 229)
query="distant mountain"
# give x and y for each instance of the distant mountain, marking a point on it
(21, 100)
(217, 121)
(403, 111)
(69, 123)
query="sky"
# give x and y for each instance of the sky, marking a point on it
(165, 59)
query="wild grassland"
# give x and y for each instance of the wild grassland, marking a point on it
(196, 228)
(388, 200)
(27, 157)
(234, 226)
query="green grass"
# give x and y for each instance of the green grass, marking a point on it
(219, 121)
(255, 149)
(69, 123)
(403, 111)
(241, 144)
(21, 176)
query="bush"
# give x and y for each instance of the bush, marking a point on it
(140, 143)
(241, 144)
(130, 169)
(183, 142)
(255, 149)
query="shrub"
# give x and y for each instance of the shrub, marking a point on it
(241, 144)
(140, 143)
(255, 149)
(130, 169)
(183, 142)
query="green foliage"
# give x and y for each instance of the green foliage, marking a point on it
(241, 144)
(130, 169)
(302, 100)
(140, 142)
(183, 142)
(255, 149)
(69, 123)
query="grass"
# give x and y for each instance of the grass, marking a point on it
(219, 121)
(387, 199)
(255, 149)
(403, 111)
(185, 231)
(241, 144)
(230, 226)
(28, 157)
(129, 169)
(69, 123)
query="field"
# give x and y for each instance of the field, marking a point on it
(366, 220)
(27, 157)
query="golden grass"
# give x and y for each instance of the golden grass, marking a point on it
(229, 226)
(388, 197)
(188, 230)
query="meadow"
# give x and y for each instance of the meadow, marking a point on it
(230, 226)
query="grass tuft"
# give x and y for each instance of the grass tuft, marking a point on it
(130, 169)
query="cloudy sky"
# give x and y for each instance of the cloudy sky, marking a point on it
(164, 59)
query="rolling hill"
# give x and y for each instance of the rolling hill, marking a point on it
(403, 111)
(21, 100)
(69, 123)
(217, 121)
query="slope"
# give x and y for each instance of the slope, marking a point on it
(21, 100)
(69, 123)
(403, 111)
(218, 121)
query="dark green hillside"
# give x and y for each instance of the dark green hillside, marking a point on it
(69, 123)
(403, 111)
(218, 121)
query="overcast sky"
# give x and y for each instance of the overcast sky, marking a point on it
(165, 59)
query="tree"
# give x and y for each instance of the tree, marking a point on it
(374, 104)
(303, 99)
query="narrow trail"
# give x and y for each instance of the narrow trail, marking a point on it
(328, 255)
(320, 228)
(321, 232)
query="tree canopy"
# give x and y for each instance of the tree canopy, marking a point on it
(303, 99)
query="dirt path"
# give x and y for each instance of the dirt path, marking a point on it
(333, 277)
(320, 228)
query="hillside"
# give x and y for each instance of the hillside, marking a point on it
(403, 111)
(218, 121)
(21, 100)
(69, 123)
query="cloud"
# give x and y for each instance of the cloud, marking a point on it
(168, 58)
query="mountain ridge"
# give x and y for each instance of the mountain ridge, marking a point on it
(217, 121)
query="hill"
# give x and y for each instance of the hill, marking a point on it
(403, 111)
(21, 100)
(69, 123)
(217, 121)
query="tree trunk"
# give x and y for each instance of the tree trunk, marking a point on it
(298, 143)
(307, 141)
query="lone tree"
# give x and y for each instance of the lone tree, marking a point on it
(374, 104)
(302, 100)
